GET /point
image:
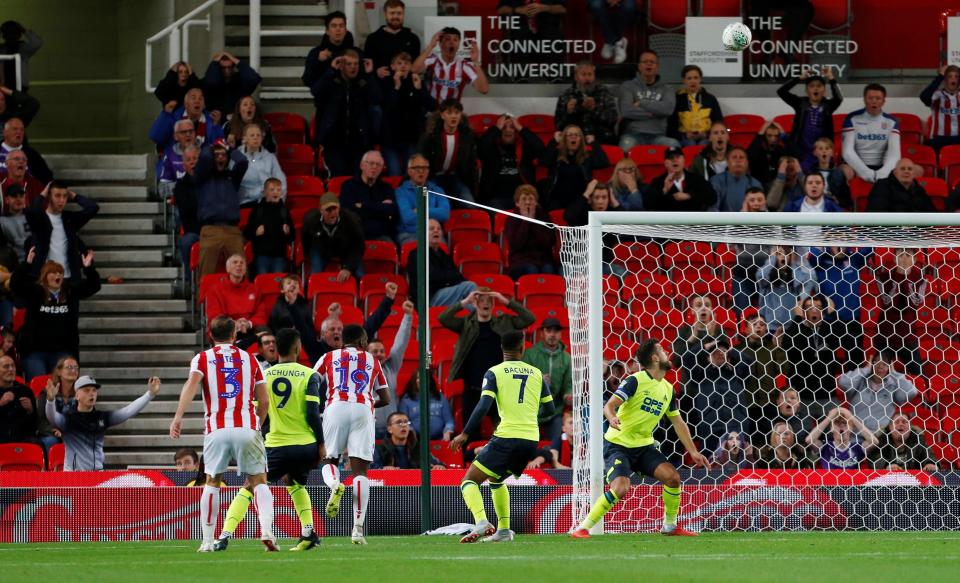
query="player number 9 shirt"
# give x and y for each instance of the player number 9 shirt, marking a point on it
(645, 402)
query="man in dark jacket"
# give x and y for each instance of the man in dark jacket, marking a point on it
(765, 152)
(226, 82)
(18, 416)
(507, 152)
(372, 199)
(218, 175)
(588, 104)
(715, 375)
(186, 199)
(447, 284)
(390, 39)
(677, 189)
(17, 104)
(455, 172)
(332, 233)
(55, 229)
(813, 114)
(899, 192)
(334, 43)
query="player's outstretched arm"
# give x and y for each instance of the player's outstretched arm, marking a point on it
(187, 393)
(683, 433)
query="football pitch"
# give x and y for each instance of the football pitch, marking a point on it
(769, 556)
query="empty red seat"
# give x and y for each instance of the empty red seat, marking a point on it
(23, 457)
(477, 258)
(324, 289)
(542, 290)
(937, 191)
(911, 128)
(38, 384)
(638, 256)
(950, 163)
(649, 160)
(287, 128)
(667, 15)
(539, 123)
(831, 15)
(269, 286)
(448, 457)
(373, 290)
(296, 159)
(860, 193)
(468, 226)
(481, 122)
(720, 8)
(380, 257)
(786, 121)
(743, 127)
(496, 282)
(57, 454)
(689, 153)
(335, 184)
(614, 155)
(922, 156)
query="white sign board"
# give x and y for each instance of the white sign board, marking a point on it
(469, 27)
(705, 47)
(953, 40)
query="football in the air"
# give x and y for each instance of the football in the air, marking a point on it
(736, 36)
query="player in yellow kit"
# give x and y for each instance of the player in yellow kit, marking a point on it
(521, 397)
(634, 412)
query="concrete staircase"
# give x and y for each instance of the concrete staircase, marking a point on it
(139, 328)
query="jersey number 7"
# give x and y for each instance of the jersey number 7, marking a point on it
(523, 384)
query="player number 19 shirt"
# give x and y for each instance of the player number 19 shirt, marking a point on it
(645, 402)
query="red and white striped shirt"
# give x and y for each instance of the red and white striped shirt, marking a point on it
(945, 111)
(448, 80)
(229, 377)
(350, 375)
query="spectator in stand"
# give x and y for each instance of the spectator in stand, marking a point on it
(626, 185)
(171, 166)
(450, 146)
(531, 246)
(372, 199)
(331, 329)
(871, 138)
(400, 449)
(562, 446)
(900, 192)
(247, 112)
(712, 159)
(695, 111)
(750, 257)
(8, 345)
(767, 362)
(262, 166)
(194, 109)
(267, 354)
(507, 151)
(782, 452)
(441, 417)
(292, 310)
(790, 410)
(392, 38)
(63, 377)
(838, 278)
(418, 171)
(14, 222)
(14, 138)
(715, 375)
(346, 98)
(813, 200)
(597, 197)
(447, 285)
(702, 327)
(334, 43)
(447, 73)
(186, 460)
(172, 89)
(766, 152)
(478, 347)
(270, 228)
(646, 103)
(942, 96)
(787, 185)
(903, 290)
(678, 189)
(781, 282)
(570, 167)
(731, 185)
(813, 114)
(874, 390)
(333, 234)
(614, 19)
(186, 200)
(51, 302)
(8, 264)
(406, 103)
(54, 229)
(540, 21)
(733, 452)
(16, 176)
(552, 358)
(847, 444)
(17, 104)
(899, 447)
(18, 40)
(217, 177)
(239, 299)
(588, 105)
(18, 415)
(226, 81)
(83, 427)
(390, 365)
(833, 176)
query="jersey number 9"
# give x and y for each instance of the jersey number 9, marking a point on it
(282, 388)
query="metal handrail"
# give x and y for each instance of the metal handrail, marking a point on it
(175, 48)
(16, 67)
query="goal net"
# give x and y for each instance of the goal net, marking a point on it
(816, 360)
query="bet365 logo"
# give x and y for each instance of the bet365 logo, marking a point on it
(651, 405)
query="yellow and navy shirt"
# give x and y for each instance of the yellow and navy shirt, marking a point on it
(291, 386)
(645, 401)
(518, 389)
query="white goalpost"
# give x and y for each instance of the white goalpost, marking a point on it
(712, 277)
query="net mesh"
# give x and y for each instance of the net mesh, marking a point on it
(793, 347)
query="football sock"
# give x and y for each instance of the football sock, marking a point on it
(301, 503)
(209, 511)
(600, 507)
(331, 475)
(471, 495)
(264, 500)
(501, 504)
(236, 511)
(361, 496)
(671, 504)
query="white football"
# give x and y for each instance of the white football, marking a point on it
(736, 36)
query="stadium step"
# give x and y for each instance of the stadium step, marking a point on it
(116, 398)
(165, 356)
(113, 324)
(140, 373)
(96, 306)
(102, 193)
(136, 290)
(139, 273)
(145, 257)
(143, 441)
(130, 208)
(98, 241)
(157, 425)
(153, 458)
(139, 340)
(104, 163)
(143, 225)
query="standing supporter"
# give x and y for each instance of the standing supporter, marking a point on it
(262, 166)
(54, 229)
(400, 450)
(391, 364)
(531, 245)
(171, 166)
(63, 377)
(270, 228)
(766, 152)
(589, 105)
(441, 417)
(833, 176)
(226, 81)
(767, 362)
(596, 198)
(678, 189)
(715, 375)
(871, 138)
(899, 447)
(8, 263)
(731, 185)
(292, 310)
(83, 427)
(787, 184)
(813, 113)
(847, 444)
(186, 199)
(712, 159)
(701, 326)
(782, 452)
(451, 148)
(406, 103)
(900, 192)
(614, 20)
(750, 257)
(626, 185)
(551, 357)
(18, 415)
(813, 200)
(781, 282)
(172, 89)
(646, 103)
(447, 73)
(217, 177)
(333, 234)
(18, 40)
(372, 199)
(334, 43)
(903, 289)
(14, 138)
(838, 277)
(194, 109)
(507, 151)
(874, 390)
(446, 285)
(570, 167)
(418, 171)
(237, 298)
(18, 178)
(695, 111)
(267, 354)
(392, 38)
(942, 96)
(17, 104)
(246, 112)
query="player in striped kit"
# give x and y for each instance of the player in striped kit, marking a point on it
(942, 96)
(448, 73)
(230, 380)
(348, 377)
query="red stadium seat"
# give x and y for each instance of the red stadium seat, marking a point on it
(305, 186)
(542, 291)
(287, 128)
(477, 258)
(496, 282)
(646, 284)
(393, 181)
(860, 193)
(244, 217)
(448, 457)
(324, 289)
(296, 159)
(937, 191)
(206, 283)
(556, 217)
(614, 155)
(950, 163)
(786, 121)
(38, 384)
(336, 183)
(22, 457)
(743, 127)
(638, 256)
(539, 123)
(683, 253)
(468, 226)
(911, 128)
(269, 286)
(481, 122)
(831, 15)
(380, 257)
(838, 129)
(373, 289)
(405, 250)
(720, 8)
(689, 154)
(649, 159)
(921, 155)
(57, 454)
(667, 15)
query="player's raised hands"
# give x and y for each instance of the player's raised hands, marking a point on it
(456, 444)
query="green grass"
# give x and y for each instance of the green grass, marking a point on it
(845, 557)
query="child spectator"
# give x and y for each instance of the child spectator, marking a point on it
(695, 109)
(782, 452)
(63, 376)
(900, 447)
(562, 445)
(813, 114)
(571, 167)
(781, 282)
(903, 289)
(847, 444)
(261, 165)
(248, 112)
(441, 417)
(834, 178)
(270, 228)
(450, 146)
(531, 245)
(942, 96)
(406, 103)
